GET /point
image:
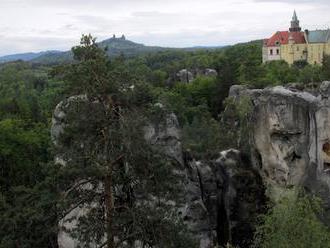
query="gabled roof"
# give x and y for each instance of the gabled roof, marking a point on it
(318, 36)
(282, 38)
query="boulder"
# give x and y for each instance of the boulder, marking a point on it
(325, 89)
(185, 76)
(210, 72)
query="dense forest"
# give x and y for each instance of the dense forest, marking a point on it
(30, 183)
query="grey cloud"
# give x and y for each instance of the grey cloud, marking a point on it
(53, 24)
(296, 1)
(66, 3)
(91, 19)
(186, 38)
(22, 44)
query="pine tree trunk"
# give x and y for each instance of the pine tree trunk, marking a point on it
(109, 209)
(108, 179)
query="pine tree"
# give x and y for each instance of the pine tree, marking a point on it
(127, 183)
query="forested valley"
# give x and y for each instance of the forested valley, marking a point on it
(32, 184)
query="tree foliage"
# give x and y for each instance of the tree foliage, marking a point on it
(127, 89)
(27, 190)
(128, 183)
(293, 222)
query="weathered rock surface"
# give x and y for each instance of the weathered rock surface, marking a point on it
(187, 76)
(166, 135)
(290, 146)
(73, 113)
(220, 198)
(291, 138)
(223, 198)
(66, 147)
(210, 72)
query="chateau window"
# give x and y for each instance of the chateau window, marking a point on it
(271, 51)
(297, 48)
(277, 51)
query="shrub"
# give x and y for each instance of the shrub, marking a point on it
(293, 223)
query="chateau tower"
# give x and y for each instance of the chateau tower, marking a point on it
(295, 27)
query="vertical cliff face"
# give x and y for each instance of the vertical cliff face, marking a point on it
(290, 138)
(220, 199)
(283, 122)
(241, 198)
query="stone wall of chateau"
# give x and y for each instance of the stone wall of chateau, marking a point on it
(312, 53)
(317, 51)
(293, 52)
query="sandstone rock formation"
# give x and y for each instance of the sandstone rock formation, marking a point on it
(187, 76)
(290, 146)
(167, 135)
(220, 198)
(223, 199)
(65, 151)
(163, 134)
(210, 72)
(291, 138)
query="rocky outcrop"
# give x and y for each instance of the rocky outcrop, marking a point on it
(220, 198)
(290, 146)
(166, 134)
(62, 121)
(223, 198)
(242, 197)
(187, 76)
(291, 138)
(210, 72)
(199, 213)
(71, 115)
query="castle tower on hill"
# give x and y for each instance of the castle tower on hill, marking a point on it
(295, 23)
(121, 38)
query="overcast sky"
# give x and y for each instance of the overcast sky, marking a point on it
(36, 25)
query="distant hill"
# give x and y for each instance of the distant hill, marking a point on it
(252, 42)
(118, 46)
(55, 58)
(26, 56)
(114, 47)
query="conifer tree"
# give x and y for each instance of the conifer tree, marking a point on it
(126, 183)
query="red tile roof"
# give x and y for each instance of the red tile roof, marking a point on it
(283, 38)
